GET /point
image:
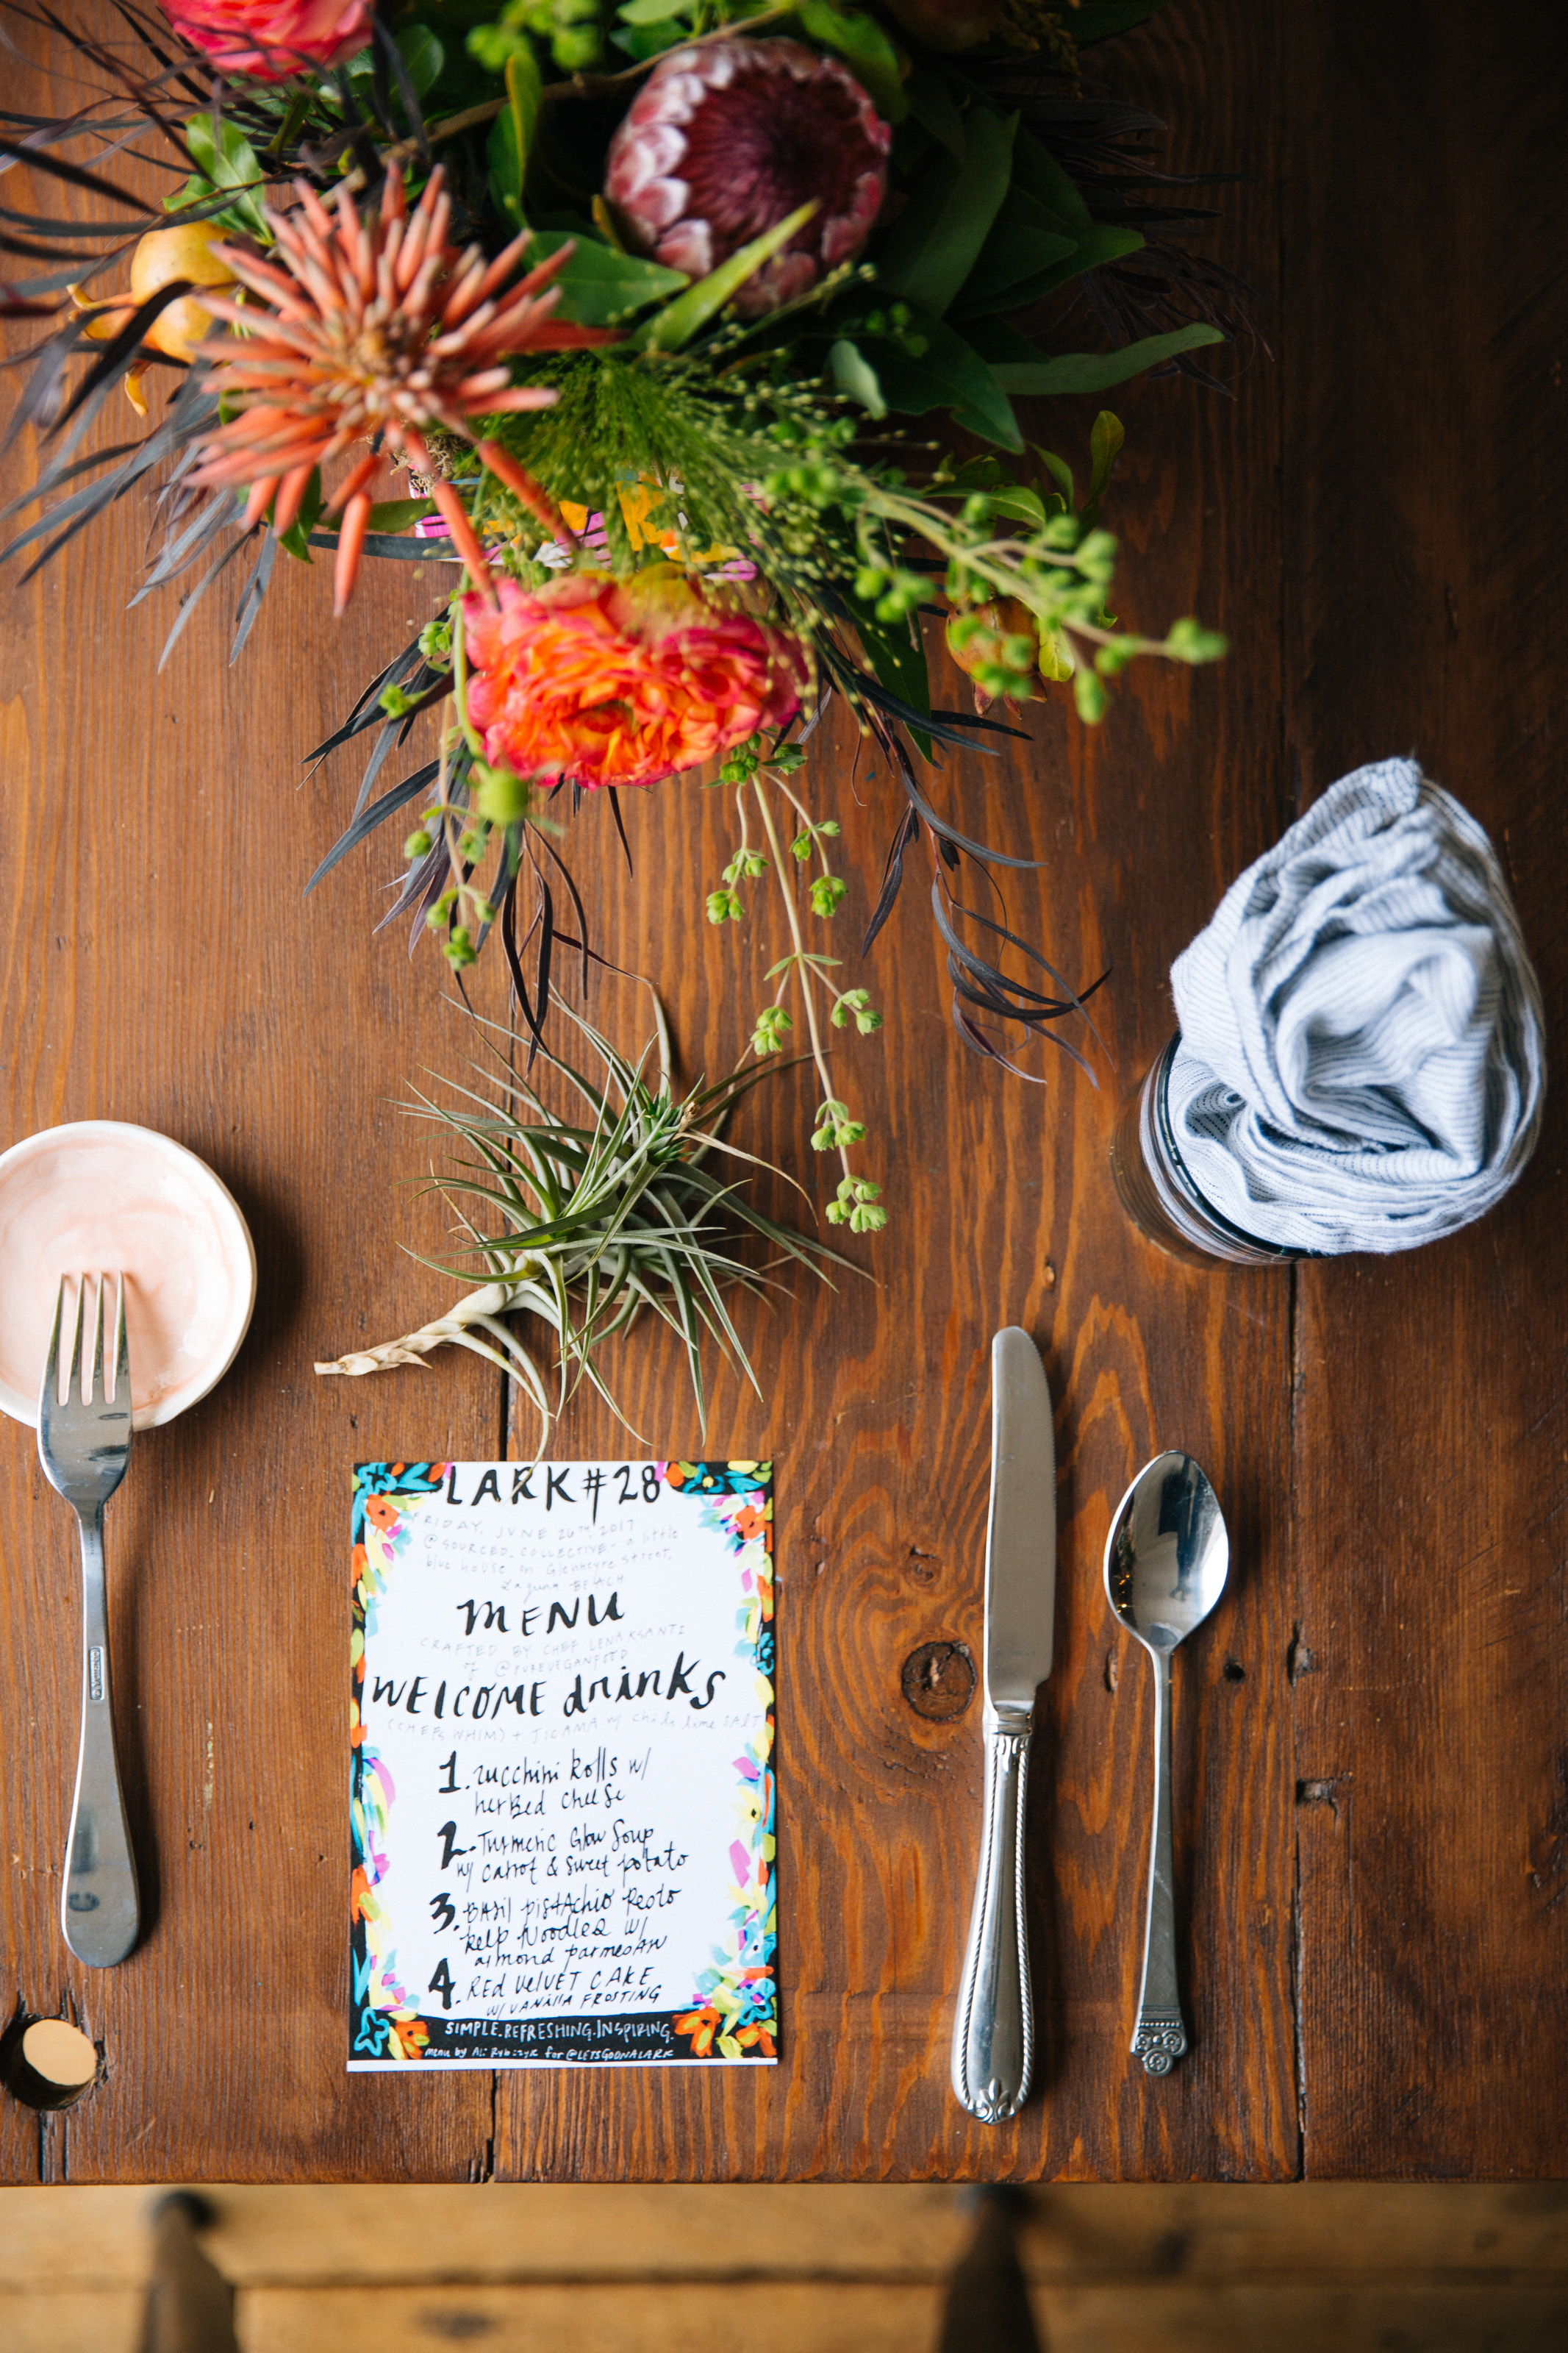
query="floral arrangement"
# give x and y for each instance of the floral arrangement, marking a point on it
(687, 333)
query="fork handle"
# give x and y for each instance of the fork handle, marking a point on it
(99, 1911)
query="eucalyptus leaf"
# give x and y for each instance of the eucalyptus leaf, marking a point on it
(936, 240)
(1098, 371)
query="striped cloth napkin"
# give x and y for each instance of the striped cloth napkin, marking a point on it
(1362, 1062)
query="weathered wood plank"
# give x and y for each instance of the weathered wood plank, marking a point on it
(1425, 475)
(891, 2317)
(877, 1412)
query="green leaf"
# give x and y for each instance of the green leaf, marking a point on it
(932, 105)
(296, 539)
(690, 312)
(503, 157)
(865, 47)
(1096, 371)
(598, 284)
(525, 93)
(1037, 174)
(855, 377)
(652, 12)
(1096, 245)
(936, 240)
(1015, 250)
(511, 134)
(896, 654)
(397, 515)
(1101, 20)
(229, 161)
(1020, 505)
(1059, 471)
(948, 373)
(422, 55)
(1105, 440)
(994, 340)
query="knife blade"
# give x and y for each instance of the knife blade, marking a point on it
(993, 2035)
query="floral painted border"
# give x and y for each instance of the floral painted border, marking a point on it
(386, 2021)
(733, 2012)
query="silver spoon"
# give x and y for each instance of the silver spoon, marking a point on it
(1165, 1564)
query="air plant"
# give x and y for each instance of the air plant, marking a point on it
(589, 1227)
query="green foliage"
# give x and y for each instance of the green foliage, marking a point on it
(865, 47)
(571, 28)
(1078, 372)
(934, 243)
(223, 160)
(600, 286)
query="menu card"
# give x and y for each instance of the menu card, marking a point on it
(563, 1791)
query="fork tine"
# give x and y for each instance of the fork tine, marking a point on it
(121, 1343)
(49, 1392)
(73, 1385)
(97, 1379)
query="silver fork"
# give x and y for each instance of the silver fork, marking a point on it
(84, 1447)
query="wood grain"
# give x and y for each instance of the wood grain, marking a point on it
(158, 963)
(1074, 2235)
(1426, 473)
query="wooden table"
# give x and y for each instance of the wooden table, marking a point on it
(1371, 1752)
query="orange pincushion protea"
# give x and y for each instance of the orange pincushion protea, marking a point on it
(370, 326)
(604, 681)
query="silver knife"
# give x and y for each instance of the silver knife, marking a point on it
(993, 2033)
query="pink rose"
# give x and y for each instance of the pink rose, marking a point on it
(272, 39)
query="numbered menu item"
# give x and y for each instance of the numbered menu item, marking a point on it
(562, 1790)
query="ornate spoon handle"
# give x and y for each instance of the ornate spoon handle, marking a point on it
(992, 2036)
(1160, 2037)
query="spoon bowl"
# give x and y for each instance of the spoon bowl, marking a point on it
(1168, 1554)
(1166, 1560)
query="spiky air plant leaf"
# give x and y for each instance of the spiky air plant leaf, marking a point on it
(589, 1227)
(378, 330)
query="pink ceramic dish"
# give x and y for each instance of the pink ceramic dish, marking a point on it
(101, 1196)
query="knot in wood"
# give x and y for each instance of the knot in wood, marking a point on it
(939, 1680)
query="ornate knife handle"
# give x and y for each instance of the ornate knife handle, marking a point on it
(993, 2034)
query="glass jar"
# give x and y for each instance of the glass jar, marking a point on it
(1156, 1188)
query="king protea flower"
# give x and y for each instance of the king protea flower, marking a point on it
(361, 327)
(272, 39)
(725, 141)
(605, 681)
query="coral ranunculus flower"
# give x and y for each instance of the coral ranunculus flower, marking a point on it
(604, 681)
(272, 39)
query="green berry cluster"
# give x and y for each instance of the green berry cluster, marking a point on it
(835, 1130)
(858, 1206)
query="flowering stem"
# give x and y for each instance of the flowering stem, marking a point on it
(808, 977)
